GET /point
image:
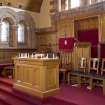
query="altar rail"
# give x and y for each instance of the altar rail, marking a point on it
(7, 54)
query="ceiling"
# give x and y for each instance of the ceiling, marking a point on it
(31, 5)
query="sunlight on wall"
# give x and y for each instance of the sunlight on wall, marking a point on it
(45, 20)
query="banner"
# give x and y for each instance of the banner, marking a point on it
(66, 43)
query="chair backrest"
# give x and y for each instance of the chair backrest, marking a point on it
(83, 64)
(103, 66)
(94, 64)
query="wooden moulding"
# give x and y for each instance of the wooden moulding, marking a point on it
(83, 44)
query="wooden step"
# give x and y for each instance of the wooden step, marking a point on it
(22, 96)
(6, 81)
(11, 100)
(7, 91)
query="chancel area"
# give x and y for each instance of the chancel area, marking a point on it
(52, 52)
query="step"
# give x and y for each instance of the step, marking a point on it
(55, 101)
(10, 100)
(23, 96)
(6, 86)
(3, 100)
(6, 81)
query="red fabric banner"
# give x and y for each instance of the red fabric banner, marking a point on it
(66, 43)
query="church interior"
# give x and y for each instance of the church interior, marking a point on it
(52, 52)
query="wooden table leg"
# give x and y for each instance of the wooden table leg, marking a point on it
(79, 80)
(90, 87)
(68, 78)
(64, 77)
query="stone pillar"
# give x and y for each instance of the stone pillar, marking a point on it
(63, 5)
(59, 5)
(69, 4)
(15, 33)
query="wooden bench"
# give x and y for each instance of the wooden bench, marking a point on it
(91, 76)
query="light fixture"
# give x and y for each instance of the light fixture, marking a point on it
(65, 42)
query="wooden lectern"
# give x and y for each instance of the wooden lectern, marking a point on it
(39, 77)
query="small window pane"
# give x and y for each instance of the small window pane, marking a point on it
(67, 5)
(4, 31)
(21, 33)
(75, 3)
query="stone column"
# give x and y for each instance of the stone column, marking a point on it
(69, 4)
(59, 5)
(62, 5)
(15, 33)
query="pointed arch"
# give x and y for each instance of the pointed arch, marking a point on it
(5, 30)
(21, 32)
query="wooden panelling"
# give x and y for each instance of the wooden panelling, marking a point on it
(7, 55)
(47, 41)
(86, 24)
(80, 50)
(65, 27)
(102, 28)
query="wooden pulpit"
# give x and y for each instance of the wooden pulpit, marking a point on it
(39, 77)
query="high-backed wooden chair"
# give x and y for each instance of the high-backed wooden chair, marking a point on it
(103, 66)
(83, 64)
(64, 69)
(94, 65)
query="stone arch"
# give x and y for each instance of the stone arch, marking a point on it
(25, 16)
(10, 16)
(27, 19)
(15, 17)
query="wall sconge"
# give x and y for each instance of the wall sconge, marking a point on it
(65, 42)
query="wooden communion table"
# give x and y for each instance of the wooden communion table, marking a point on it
(39, 77)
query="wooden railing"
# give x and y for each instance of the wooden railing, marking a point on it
(7, 54)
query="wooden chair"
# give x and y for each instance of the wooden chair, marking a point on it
(94, 65)
(103, 66)
(83, 64)
(64, 69)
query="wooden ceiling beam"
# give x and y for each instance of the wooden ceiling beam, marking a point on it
(31, 5)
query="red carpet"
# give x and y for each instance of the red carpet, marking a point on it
(67, 95)
(80, 96)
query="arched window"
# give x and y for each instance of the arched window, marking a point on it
(67, 5)
(75, 3)
(5, 30)
(21, 33)
(63, 5)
